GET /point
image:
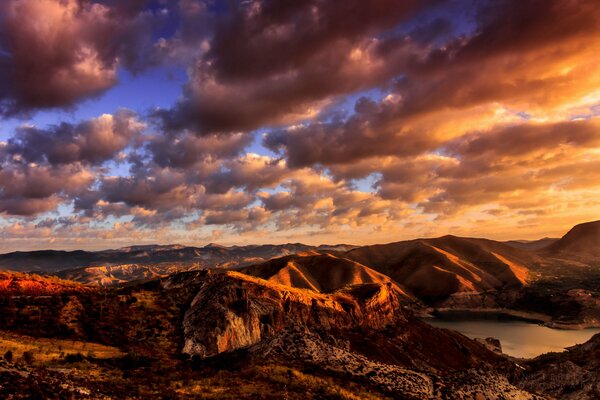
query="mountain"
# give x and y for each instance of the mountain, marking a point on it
(557, 284)
(469, 274)
(582, 241)
(45, 260)
(437, 268)
(122, 273)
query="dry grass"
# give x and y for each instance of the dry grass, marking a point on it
(48, 350)
(270, 381)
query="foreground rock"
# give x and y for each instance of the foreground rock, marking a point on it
(574, 374)
(243, 337)
(360, 332)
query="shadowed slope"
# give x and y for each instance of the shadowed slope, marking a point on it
(583, 241)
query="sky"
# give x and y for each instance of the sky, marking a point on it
(314, 121)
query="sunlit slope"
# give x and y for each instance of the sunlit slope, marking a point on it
(318, 272)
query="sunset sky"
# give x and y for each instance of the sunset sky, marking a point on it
(315, 121)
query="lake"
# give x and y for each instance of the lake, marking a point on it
(518, 338)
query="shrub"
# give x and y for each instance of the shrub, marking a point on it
(133, 360)
(74, 357)
(28, 357)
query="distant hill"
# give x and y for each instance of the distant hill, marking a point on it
(531, 244)
(210, 256)
(433, 268)
(115, 274)
(583, 241)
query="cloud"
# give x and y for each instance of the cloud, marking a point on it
(293, 58)
(28, 189)
(185, 150)
(371, 130)
(523, 139)
(542, 75)
(94, 141)
(250, 172)
(56, 53)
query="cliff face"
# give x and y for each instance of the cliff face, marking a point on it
(233, 311)
(360, 332)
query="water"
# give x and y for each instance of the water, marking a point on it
(518, 338)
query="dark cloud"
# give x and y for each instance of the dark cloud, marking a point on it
(94, 141)
(185, 150)
(57, 53)
(280, 36)
(251, 172)
(31, 189)
(374, 129)
(523, 139)
(292, 59)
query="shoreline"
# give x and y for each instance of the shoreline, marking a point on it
(504, 313)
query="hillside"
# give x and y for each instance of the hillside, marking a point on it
(571, 375)
(319, 272)
(531, 245)
(437, 268)
(19, 284)
(582, 241)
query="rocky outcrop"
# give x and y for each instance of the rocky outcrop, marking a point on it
(491, 343)
(233, 311)
(361, 333)
(574, 374)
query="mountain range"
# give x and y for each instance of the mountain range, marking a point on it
(295, 321)
(550, 278)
